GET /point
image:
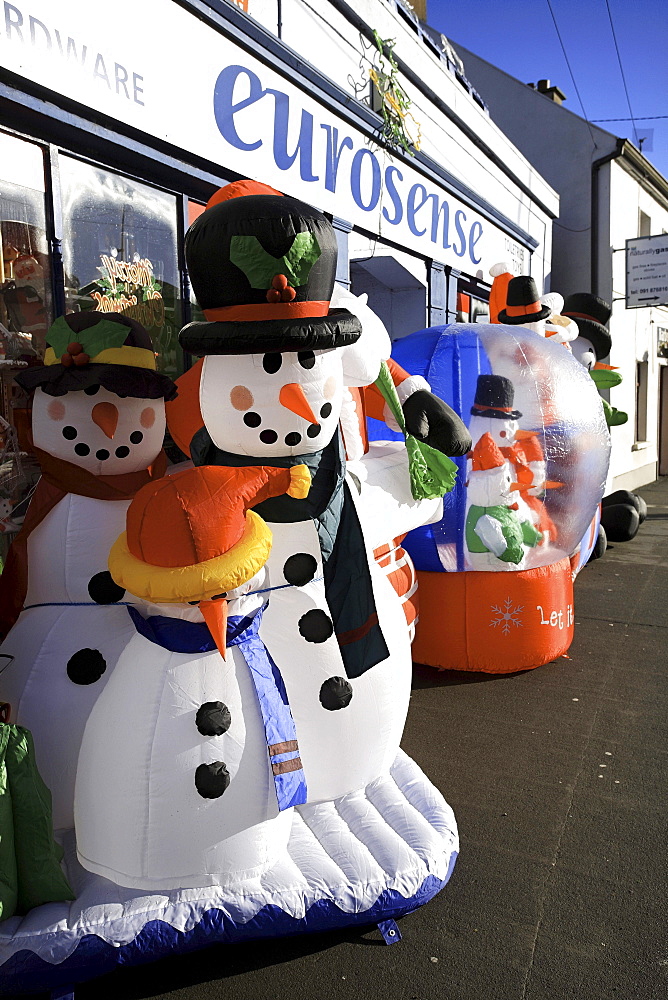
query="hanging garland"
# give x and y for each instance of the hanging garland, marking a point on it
(395, 102)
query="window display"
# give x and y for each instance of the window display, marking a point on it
(120, 253)
(25, 306)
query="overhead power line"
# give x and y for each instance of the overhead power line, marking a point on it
(642, 118)
(575, 86)
(621, 70)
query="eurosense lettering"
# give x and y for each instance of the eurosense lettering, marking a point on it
(327, 156)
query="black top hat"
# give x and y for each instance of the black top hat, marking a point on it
(262, 266)
(494, 397)
(522, 303)
(591, 314)
(94, 348)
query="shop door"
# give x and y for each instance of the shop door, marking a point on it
(663, 420)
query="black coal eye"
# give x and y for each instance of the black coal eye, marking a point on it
(90, 390)
(193, 602)
(69, 433)
(272, 362)
(306, 359)
(219, 597)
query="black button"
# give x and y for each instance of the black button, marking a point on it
(82, 449)
(306, 359)
(102, 455)
(213, 718)
(292, 439)
(211, 780)
(272, 362)
(313, 430)
(136, 437)
(325, 409)
(316, 625)
(70, 433)
(336, 693)
(103, 590)
(86, 666)
(300, 568)
(123, 451)
(252, 419)
(268, 437)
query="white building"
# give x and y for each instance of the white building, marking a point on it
(114, 131)
(609, 193)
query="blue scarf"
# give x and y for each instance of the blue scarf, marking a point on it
(181, 636)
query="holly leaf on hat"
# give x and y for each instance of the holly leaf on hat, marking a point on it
(248, 254)
(93, 340)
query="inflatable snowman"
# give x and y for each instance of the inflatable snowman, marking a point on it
(277, 362)
(199, 790)
(98, 420)
(498, 532)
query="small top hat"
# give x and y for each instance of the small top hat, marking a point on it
(591, 314)
(494, 396)
(95, 348)
(523, 304)
(262, 266)
(191, 537)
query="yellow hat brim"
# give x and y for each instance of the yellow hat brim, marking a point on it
(199, 582)
(133, 357)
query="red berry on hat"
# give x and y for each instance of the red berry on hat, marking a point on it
(279, 281)
(74, 348)
(273, 295)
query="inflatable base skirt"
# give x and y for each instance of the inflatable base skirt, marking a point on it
(366, 857)
(496, 623)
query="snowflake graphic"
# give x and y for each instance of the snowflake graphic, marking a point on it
(507, 615)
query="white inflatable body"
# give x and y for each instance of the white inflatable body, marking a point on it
(144, 824)
(64, 645)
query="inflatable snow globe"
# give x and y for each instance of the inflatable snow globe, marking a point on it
(499, 560)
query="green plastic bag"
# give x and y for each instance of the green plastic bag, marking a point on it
(29, 856)
(432, 473)
(8, 874)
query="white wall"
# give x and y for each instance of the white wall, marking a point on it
(633, 333)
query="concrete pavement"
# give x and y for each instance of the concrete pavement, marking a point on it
(558, 778)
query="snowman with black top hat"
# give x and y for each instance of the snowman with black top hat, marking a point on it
(622, 512)
(98, 422)
(277, 359)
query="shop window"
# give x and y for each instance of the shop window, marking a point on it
(25, 279)
(644, 224)
(472, 302)
(194, 212)
(120, 253)
(642, 375)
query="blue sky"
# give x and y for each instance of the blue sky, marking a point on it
(519, 36)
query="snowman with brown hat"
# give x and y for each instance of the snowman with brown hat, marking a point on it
(98, 422)
(189, 766)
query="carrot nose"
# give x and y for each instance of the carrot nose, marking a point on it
(292, 398)
(105, 415)
(600, 367)
(215, 616)
(523, 435)
(521, 486)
